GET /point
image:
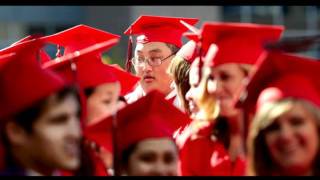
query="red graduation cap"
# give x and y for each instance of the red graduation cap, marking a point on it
(188, 51)
(89, 69)
(43, 56)
(157, 29)
(150, 117)
(281, 75)
(79, 37)
(237, 42)
(23, 81)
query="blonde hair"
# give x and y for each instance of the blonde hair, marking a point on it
(259, 158)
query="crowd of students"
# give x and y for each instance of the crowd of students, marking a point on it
(222, 104)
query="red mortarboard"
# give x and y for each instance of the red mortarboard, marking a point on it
(188, 51)
(159, 29)
(79, 37)
(281, 75)
(150, 117)
(44, 57)
(237, 42)
(90, 70)
(23, 81)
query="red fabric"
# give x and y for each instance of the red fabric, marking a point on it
(90, 70)
(200, 155)
(237, 42)
(278, 75)
(159, 29)
(23, 82)
(151, 111)
(79, 37)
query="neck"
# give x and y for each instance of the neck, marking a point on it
(26, 162)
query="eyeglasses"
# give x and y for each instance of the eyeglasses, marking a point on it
(137, 61)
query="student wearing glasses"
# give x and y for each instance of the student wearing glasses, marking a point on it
(158, 40)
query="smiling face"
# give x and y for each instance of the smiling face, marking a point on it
(293, 140)
(103, 101)
(154, 157)
(154, 77)
(224, 83)
(54, 142)
(192, 94)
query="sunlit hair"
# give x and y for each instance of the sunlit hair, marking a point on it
(179, 69)
(259, 158)
(208, 106)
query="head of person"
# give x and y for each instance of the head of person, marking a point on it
(159, 38)
(151, 157)
(41, 126)
(102, 83)
(179, 69)
(142, 151)
(284, 134)
(239, 47)
(46, 136)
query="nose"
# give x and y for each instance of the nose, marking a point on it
(216, 87)
(188, 95)
(160, 169)
(74, 128)
(147, 67)
(286, 133)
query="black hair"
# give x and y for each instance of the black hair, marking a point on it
(27, 117)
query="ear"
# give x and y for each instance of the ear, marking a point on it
(17, 136)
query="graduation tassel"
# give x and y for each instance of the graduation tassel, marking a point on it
(58, 54)
(129, 55)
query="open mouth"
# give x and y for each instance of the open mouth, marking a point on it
(148, 78)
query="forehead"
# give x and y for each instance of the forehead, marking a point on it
(156, 145)
(228, 67)
(152, 47)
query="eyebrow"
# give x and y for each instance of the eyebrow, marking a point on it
(155, 50)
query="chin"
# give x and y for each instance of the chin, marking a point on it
(70, 164)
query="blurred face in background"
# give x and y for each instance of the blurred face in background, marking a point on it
(153, 77)
(154, 157)
(224, 82)
(192, 94)
(103, 101)
(293, 141)
(54, 142)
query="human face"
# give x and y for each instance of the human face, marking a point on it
(154, 157)
(103, 101)
(154, 77)
(293, 140)
(55, 140)
(224, 82)
(191, 95)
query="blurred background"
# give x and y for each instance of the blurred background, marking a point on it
(17, 22)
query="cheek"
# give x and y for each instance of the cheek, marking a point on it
(309, 138)
(271, 140)
(138, 167)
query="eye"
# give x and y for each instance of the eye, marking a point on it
(147, 157)
(106, 101)
(155, 59)
(169, 158)
(210, 77)
(296, 121)
(224, 76)
(140, 59)
(59, 119)
(273, 127)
